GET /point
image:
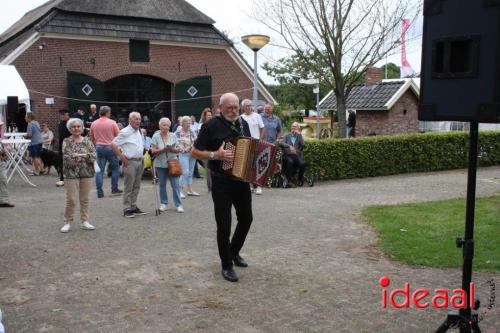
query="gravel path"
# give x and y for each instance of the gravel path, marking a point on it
(314, 265)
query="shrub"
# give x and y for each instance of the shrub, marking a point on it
(388, 155)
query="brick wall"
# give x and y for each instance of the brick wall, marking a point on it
(45, 70)
(402, 118)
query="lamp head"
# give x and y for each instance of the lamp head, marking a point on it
(255, 42)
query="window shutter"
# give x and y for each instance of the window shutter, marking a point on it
(139, 50)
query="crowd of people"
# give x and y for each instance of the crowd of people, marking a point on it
(89, 145)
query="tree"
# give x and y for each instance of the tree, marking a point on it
(288, 71)
(393, 71)
(337, 40)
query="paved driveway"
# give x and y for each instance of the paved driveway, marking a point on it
(314, 266)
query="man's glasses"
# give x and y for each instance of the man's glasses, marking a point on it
(76, 126)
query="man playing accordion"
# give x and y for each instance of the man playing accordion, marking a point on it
(226, 190)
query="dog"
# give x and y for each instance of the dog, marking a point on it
(50, 159)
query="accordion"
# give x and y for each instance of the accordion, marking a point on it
(254, 161)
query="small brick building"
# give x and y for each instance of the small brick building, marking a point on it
(382, 106)
(158, 57)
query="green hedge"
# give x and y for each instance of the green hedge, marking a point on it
(388, 155)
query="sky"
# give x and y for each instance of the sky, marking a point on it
(234, 17)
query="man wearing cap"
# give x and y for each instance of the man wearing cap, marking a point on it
(4, 194)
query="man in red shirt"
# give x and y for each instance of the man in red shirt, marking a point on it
(102, 133)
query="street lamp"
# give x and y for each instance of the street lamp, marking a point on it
(316, 91)
(255, 42)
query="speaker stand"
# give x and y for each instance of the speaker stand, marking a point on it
(467, 319)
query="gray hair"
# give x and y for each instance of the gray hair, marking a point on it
(295, 124)
(245, 102)
(226, 96)
(134, 113)
(104, 109)
(165, 120)
(72, 121)
(186, 119)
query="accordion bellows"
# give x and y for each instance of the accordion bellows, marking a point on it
(254, 160)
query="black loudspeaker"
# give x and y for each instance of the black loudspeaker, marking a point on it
(15, 113)
(12, 105)
(460, 79)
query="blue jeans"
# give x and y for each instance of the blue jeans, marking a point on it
(187, 164)
(106, 154)
(162, 174)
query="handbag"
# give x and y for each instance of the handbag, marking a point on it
(97, 169)
(174, 167)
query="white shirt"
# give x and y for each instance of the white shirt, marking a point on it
(255, 123)
(131, 142)
(195, 127)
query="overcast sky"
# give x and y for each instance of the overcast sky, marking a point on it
(234, 17)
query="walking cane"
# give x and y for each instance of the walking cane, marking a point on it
(156, 188)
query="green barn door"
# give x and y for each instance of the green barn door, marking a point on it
(83, 87)
(192, 96)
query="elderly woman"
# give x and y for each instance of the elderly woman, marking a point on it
(186, 138)
(164, 147)
(206, 115)
(78, 167)
(47, 136)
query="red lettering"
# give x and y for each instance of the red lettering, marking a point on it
(441, 294)
(460, 295)
(405, 292)
(416, 298)
(384, 298)
(472, 298)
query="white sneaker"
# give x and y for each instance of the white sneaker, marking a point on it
(194, 194)
(183, 196)
(180, 209)
(258, 190)
(66, 228)
(87, 226)
(59, 183)
(163, 207)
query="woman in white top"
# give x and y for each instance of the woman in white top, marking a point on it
(186, 138)
(164, 147)
(47, 137)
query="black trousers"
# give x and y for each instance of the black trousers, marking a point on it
(225, 194)
(293, 162)
(61, 175)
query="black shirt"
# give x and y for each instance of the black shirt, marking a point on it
(63, 132)
(216, 131)
(351, 120)
(91, 118)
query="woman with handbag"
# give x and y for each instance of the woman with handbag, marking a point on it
(186, 138)
(166, 163)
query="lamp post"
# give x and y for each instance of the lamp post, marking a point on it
(255, 42)
(316, 91)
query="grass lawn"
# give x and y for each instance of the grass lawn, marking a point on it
(424, 233)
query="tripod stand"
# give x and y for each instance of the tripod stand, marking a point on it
(467, 319)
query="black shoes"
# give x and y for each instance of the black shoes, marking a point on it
(239, 261)
(229, 275)
(117, 192)
(129, 213)
(6, 205)
(137, 211)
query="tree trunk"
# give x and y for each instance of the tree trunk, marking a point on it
(341, 115)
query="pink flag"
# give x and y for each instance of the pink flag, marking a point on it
(406, 69)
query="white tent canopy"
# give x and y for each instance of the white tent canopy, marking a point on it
(11, 84)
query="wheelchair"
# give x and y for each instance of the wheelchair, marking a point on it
(280, 179)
